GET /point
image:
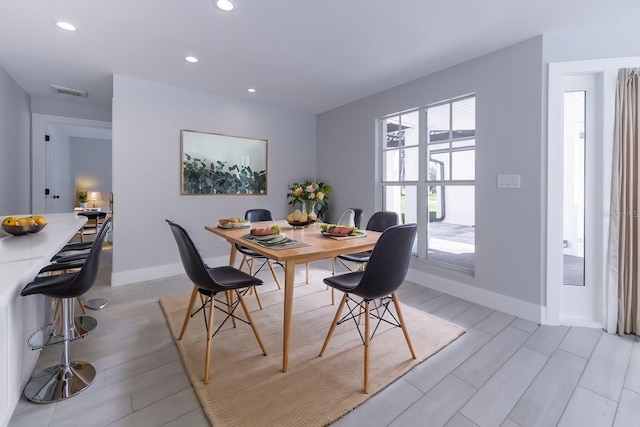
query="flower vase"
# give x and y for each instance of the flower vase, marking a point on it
(310, 207)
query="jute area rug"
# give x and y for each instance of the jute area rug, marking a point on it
(248, 389)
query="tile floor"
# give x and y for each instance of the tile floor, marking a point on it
(504, 371)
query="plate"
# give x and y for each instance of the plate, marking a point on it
(328, 234)
(268, 237)
(280, 240)
(235, 225)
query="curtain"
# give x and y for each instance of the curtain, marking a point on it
(624, 232)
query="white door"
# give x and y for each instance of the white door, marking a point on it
(583, 202)
(59, 191)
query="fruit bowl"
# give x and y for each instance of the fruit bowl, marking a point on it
(22, 226)
(33, 229)
(16, 230)
(298, 224)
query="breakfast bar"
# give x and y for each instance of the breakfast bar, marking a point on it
(21, 257)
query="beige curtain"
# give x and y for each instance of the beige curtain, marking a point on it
(624, 250)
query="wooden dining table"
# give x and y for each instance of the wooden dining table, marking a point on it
(318, 247)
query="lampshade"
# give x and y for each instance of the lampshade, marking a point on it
(93, 196)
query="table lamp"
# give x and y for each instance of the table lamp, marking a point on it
(93, 196)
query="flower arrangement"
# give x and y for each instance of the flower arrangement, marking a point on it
(308, 194)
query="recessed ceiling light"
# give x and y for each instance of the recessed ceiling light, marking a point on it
(192, 59)
(65, 26)
(225, 5)
(251, 90)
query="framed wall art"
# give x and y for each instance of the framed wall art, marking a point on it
(213, 163)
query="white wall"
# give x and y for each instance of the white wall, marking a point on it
(68, 106)
(147, 118)
(91, 168)
(15, 170)
(508, 88)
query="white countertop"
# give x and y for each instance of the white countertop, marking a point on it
(43, 245)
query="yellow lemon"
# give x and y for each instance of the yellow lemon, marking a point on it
(10, 220)
(26, 222)
(40, 220)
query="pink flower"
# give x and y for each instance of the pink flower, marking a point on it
(312, 196)
(310, 189)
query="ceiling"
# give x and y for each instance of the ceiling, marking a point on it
(304, 55)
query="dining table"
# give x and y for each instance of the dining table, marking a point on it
(307, 245)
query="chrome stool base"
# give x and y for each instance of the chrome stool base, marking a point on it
(59, 382)
(51, 335)
(96, 303)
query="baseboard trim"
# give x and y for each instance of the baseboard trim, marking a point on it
(157, 272)
(525, 310)
(584, 323)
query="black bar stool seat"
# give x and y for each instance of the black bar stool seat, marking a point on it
(68, 378)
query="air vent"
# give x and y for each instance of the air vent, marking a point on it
(61, 90)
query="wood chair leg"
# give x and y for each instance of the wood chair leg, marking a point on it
(367, 337)
(396, 303)
(192, 302)
(333, 273)
(273, 273)
(207, 360)
(251, 323)
(244, 259)
(81, 304)
(333, 324)
(253, 288)
(229, 295)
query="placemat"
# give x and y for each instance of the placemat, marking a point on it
(287, 243)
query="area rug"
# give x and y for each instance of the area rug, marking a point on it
(248, 389)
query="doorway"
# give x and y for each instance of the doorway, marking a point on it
(581, 112)
(53, 188)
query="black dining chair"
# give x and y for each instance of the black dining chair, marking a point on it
(379, 221)
(68, 378)
(386, 270)
(249, 256)
(208, 282)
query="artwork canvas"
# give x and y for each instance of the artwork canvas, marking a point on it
(213, 163)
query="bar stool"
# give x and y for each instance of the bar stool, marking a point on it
(68, 378)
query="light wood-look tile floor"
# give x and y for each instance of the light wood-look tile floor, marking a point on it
(504, 371)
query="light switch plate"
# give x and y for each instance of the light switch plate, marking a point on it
(509, 181)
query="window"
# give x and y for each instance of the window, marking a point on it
(438, 163)
(400, 165)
